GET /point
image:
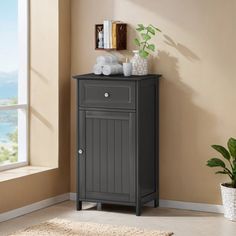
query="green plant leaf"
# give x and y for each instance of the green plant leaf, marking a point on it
(139, 29)
(151, 30)
(151, 47)
(224, 152)
(215, 162)
(232, 147)
(143, 53)
(222, 172)
(146, 37)
(234, 173)
(137, 42)
(234, 163)
(141, 26)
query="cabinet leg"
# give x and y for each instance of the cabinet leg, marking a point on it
(138, 209)
(79, 205)
(156, 203)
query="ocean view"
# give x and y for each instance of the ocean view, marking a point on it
(8, 92)
(10, 44)
(8, 85)
(5, 130)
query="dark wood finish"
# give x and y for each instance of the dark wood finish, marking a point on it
(107, 94)
(109, 145)
(79, 205)
(147, 137)
(121, 37)
(109, 202)
(120, 77)
(117, 139)
(81, 162)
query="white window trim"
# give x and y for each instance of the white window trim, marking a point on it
(23, 83)
(14, 107)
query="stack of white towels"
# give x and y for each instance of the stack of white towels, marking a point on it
(107, 65)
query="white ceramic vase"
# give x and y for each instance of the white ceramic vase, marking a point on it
(139, 64)
(229, 202)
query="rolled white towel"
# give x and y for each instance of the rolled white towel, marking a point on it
(108, 59)
(112, 69)
(97, 69)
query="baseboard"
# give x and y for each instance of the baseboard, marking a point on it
(192, 206)
(72, 196)
(34, 207)
(181, 205)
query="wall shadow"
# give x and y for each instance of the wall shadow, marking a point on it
(185, 130)
(186, 52)
(41, 118)
(39, 75)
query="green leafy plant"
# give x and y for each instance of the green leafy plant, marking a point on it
(228, 168)
(146, 34)
(10, 153)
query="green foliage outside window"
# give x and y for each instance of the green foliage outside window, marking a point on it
(9, 150)
(10, 154)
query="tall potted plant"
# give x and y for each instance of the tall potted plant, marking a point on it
(145, 47)
(228, 167)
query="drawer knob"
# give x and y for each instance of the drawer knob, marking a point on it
(80, 151)
(106, 95)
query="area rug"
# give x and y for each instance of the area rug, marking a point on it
(59, 227)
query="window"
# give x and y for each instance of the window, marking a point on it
(13, 83)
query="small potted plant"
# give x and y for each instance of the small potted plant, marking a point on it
(228, 167)
(145, 47)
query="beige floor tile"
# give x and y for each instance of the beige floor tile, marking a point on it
(182, 223)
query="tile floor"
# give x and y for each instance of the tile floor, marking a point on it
(181, 222)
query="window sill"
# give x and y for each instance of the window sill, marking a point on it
(21, 172)
(13, 166)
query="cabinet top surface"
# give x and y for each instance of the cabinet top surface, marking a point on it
(116, 77)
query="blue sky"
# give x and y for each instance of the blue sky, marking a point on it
(8, 35)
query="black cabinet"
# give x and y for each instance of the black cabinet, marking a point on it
(117, 140)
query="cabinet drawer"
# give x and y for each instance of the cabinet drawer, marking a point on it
(107, 94)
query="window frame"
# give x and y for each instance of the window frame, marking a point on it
(23, 76)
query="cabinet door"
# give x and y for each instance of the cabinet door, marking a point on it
(107, 168)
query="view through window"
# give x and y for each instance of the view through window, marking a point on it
(13, 83)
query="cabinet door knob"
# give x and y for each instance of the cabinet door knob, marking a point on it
(106, 95)
(80, 151)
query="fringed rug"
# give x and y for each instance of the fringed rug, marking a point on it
(58, 227)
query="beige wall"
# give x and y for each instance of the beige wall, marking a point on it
(196, 55)
(49, 106)
(44, 74)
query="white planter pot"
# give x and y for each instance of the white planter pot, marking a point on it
(229, 202)
(139, 64)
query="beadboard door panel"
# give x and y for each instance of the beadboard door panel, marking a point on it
(109, 156)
